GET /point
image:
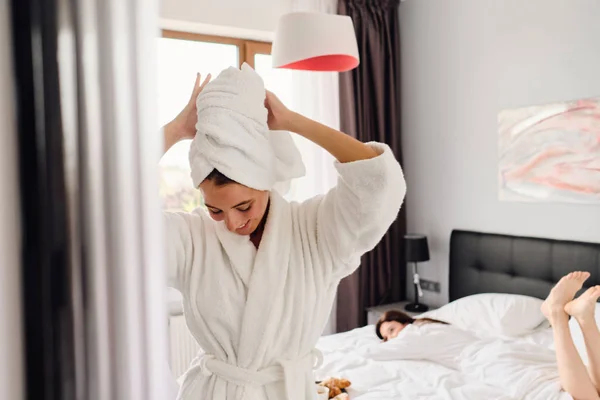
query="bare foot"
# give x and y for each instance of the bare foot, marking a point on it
(583, 308)
(562, 293)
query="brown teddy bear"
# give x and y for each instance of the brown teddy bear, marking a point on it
(337, 388)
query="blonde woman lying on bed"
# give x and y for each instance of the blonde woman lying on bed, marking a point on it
(523, 369)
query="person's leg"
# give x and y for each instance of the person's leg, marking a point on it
(573, 374)
(583, 309)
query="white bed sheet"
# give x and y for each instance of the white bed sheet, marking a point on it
(404, 379)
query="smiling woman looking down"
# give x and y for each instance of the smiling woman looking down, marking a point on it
(259, 274)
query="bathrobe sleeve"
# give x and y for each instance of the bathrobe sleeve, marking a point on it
(180, 229)
(353, 217)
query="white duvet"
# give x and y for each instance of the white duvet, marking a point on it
(436, 361)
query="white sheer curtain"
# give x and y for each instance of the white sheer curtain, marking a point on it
(316, 95)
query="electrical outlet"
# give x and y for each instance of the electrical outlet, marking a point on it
(430, 286)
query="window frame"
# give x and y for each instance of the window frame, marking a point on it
(247, 49)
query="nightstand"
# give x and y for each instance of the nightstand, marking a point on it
(374, 313)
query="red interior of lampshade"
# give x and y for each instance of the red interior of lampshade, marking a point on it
(333, 62)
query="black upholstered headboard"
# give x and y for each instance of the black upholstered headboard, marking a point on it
(492, 263)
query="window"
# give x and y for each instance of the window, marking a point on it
(180, 56)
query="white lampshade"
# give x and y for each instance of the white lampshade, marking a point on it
(315, 42)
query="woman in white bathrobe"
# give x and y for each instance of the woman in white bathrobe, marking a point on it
(259, 275)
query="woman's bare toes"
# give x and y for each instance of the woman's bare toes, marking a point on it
(563, 292)
(584, 307)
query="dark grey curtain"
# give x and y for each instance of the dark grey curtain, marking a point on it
(47, 284)
(370, 111)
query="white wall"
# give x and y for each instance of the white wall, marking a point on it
(260, 15)
(462, 62)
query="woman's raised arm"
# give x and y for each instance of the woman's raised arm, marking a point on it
(183, 126)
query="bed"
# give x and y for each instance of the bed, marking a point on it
(481, 265)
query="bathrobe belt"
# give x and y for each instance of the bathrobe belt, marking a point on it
(287, 370)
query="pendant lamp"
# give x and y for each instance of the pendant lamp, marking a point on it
(315, 42)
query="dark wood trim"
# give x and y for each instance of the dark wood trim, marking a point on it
(199, 37)
(253, 48)
(246, 48)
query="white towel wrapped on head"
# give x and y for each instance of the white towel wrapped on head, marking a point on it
(232, 135)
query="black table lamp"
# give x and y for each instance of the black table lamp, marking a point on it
(417, 250)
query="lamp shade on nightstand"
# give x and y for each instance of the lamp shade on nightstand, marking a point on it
(315, 42)
(416, 248)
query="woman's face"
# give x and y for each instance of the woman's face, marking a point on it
(390, 329)
(239, 207)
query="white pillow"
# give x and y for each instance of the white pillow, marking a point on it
(493, 314)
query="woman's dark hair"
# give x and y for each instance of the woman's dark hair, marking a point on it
(403, 318)
(218, 178)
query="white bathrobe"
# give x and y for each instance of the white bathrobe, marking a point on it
(257, 314)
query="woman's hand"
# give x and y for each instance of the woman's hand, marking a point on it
(184, 124)
(279, 115)
(187, 118)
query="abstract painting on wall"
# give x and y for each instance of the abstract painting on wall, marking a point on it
(551, 153)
